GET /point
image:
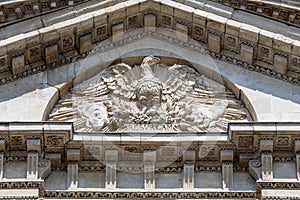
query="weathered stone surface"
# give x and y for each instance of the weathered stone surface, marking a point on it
(111, 155)
(214, 43)
(73, 154)
(117, 32)
(216, 23)
(34, 145)
(247, 53)
(189, 156)
(265, 38)
(149, 21)
(18, 64)
(249, 33)
(266, 145)
(86, 43)
(199, 17)
(55, 158)
(51, 54)
(233, 27)
(282, 43)
(226, 155)
(267, 99)
(227, 175)
(280, 64)
(182, 32)
(267, 166)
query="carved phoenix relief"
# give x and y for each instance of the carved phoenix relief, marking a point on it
(149, 97)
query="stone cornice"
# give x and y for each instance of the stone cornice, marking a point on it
(286, 12)
(27, 54)
(11, 11)
(142, 194)
(77, 150)
(242, 138)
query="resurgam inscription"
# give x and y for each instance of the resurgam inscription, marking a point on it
(150, 97)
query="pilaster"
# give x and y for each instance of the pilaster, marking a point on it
(266, 148)
(111, 157)
(149, 169)
(226, 157)
(188, 170)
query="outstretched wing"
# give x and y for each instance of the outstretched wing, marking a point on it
(177, 85)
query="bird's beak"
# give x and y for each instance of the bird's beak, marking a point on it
(156, 60)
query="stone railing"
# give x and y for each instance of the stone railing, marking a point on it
(61, 43)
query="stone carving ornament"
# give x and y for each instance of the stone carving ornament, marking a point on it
(149, 97)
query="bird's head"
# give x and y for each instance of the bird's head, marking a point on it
(151, 60)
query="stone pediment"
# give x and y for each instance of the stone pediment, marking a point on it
(107, 92)
(150, 97)
(239, 37)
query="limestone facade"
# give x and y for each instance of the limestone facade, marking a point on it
(153, 58)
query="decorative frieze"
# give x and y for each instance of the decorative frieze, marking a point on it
(245, 142)
(198, 33)
(231, 43)
(55, 140)
(153, 195)
(17, 141)
(67, 43)
(265, 54)
(100, 33)
(17, 10)
(34, 54)
(295, 64)
(166, 21)
(133, 21)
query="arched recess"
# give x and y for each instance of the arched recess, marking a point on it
(235, 78)
(170, 53)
